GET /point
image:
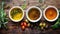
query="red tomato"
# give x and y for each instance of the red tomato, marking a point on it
(25, 24)
(21, 24)
(23, 27)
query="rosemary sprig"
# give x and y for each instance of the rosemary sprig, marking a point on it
(3, 18)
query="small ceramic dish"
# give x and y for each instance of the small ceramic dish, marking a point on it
(51, 13)
(33, 14)
(17, 9)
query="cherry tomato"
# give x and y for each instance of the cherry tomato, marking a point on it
(23, 27)
(25, 24)
(21, 24)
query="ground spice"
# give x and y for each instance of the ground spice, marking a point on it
(34, 14)
(51, 13)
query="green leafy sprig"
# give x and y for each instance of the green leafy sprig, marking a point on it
(3, 17)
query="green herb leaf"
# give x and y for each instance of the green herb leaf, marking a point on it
(57, 24)
(59, 10)
(0, 25)
(3, 18)
(24, 6)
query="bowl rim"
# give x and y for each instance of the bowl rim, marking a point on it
(48, 8)
(12, 18)
(35, 8)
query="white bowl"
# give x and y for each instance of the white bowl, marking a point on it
(36, 13)
(56, 16)
(12, 18)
